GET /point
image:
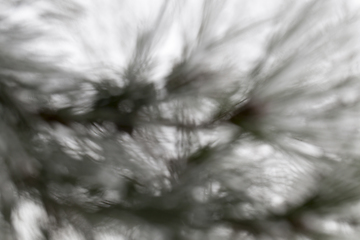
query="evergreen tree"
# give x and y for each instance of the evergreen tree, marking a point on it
(179, 120)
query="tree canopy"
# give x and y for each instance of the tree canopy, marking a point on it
(179, 120)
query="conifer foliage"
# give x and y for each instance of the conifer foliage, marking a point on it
(178, 120)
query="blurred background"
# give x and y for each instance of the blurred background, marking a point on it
(177, 119)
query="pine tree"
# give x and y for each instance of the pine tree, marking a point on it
(179, 120)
